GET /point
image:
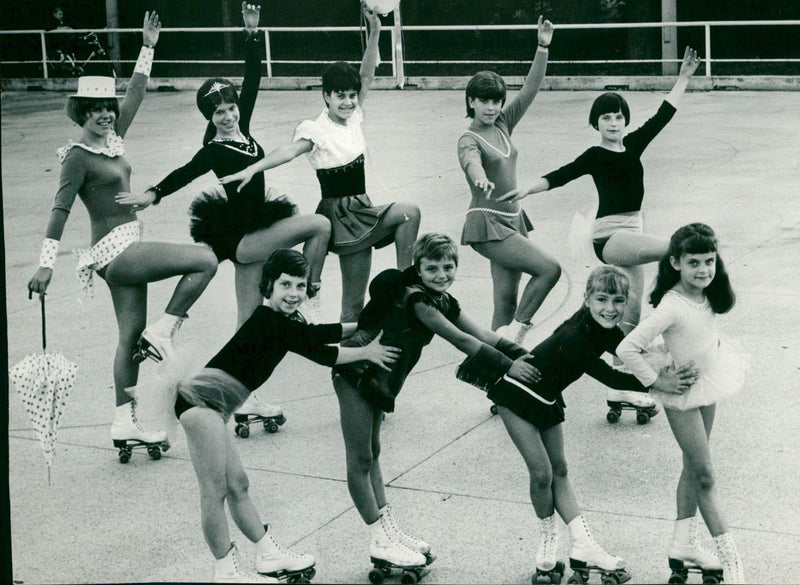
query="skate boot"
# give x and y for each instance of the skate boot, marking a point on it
(156, 341)
(387, 553)
(410, 541)
(732, 569)
(515, 331)
(687, 555)
(311, 308)
(128, 434)
(587, 556)
(229, 570)
(254, 410)
(548, 568)
(274, 560)
(619, 400)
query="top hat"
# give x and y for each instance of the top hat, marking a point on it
(91, 87)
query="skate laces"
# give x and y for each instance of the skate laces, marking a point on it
(281, 549)
(134, 418)
(389, 513)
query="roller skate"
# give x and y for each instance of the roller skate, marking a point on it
(412, 542)
(548, 568)
(732, 568)
(388, 555)
(619, 400)
(286, 565)
(686, 555)
(588, 557)
(311, 308)
(228, 570)
(156, 341)
(515, 331)
(253, 410)
(128, 434)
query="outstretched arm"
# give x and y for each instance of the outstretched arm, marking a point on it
(277, 157)
(516, 107)
(688, 67)
(370, 59)
(382, 356)
(137, 86)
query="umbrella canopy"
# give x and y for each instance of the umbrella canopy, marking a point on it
(43, 382)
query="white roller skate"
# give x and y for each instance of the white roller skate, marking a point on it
(274, 560)
(548, 568)
(311, 308)
(255, 410)
(515, 331)
(732, 569)
(412, 542)
(587, 556)
(229, 570)
(387, 553)
(619, 400)
(128, 434)
(157, 340)
(686, 555)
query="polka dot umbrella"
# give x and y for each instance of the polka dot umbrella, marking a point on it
(43, 382)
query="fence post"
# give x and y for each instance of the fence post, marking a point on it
(44, 54)
(708, 49)
(397, 49)
(269, 52)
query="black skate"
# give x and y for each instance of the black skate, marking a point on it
(681, 570)
(271, 423)
(145, 349)
(301, 576)
(554, 575)
(408, 574)
(643, 413)
(126, 447)
(582, 570)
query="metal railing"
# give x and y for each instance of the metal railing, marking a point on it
(399, 62)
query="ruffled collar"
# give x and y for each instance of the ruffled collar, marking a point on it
(114, 147)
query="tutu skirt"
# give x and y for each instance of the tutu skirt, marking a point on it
(215, 389)
(492, 226)
(723, 378)
(221, 224)
(356, 224)
(580, 239)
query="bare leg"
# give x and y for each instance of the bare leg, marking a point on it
(686, 495)
(242, 509)
(130, 307)
(355, 277)
(357, 419)
(505, 289)
(517, 253)
(564, 497)
(633, 310)
(690, 432)
(406, 216)
(247, 278)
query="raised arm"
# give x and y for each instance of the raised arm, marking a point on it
(251, 14)
(370, 59)
(688, 67)
(137, 86)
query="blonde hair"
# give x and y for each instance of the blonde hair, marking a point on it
(608, 279)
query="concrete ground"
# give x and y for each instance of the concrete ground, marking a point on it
(727, 159)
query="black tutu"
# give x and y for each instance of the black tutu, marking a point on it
(221, 224)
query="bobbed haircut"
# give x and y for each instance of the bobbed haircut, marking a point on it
(340, 76)
(213, 92)
(608, 279)
(282, 261)
(694, 238)
(485, 85)
(609, 103)
(79, 108)
(435, 247)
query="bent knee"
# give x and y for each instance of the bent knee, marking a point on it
(238, 484)
(541, 479)
(321, 225)
(360, 462)
(551, 272)
(559, 468)
(704, 477)
(410, 211)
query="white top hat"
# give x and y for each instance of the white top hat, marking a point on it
(96, 86)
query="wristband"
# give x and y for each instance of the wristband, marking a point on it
(145, 61)
(541, 46)
(157, 191)
(47, 258)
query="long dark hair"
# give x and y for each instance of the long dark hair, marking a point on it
(695, 238)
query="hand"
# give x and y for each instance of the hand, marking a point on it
(672, 380)
(40, 281)
(150, 29)
(545, 31)
(514, 195)
(372, 19)
(251, 14)
(243, 176)
(486, 186)
(690, 63)
(381, 355)
(524, 371)
(137, 201)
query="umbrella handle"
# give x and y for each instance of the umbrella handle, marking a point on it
(44, 331)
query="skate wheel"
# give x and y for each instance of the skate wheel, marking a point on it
(709, 580)
(124, 455)
(677, 578)
(493, 409)
(280, 420)
(409, 578)
(376, 576)
(270, 426)
(165, 446)
(642, 418)
(612, 416)
(138, 357)
(576, 579)
(610, 580)
(154, 452)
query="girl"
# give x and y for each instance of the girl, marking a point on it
(336, 147)
(205, 403)
(410, 307)
(691, 288)
(499, 230)
(246, 225)
(533, 414)
(95, 170)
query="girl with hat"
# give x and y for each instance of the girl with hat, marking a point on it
(95, 169)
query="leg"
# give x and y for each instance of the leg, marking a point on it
(375, 473)
(242, 510)
(406, 216)
(632, 248)
(357, 417)
(690, 433)
(633, 310)
(355, 277)
(130, 307)
(505, 288)
(206, 437)
(519, 254)
(686, 494)
(563, 496)
(247, 278)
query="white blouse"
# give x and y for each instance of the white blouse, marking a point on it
(334, 144)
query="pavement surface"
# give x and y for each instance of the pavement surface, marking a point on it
(729, 159)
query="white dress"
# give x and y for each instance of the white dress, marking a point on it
(690, 333)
